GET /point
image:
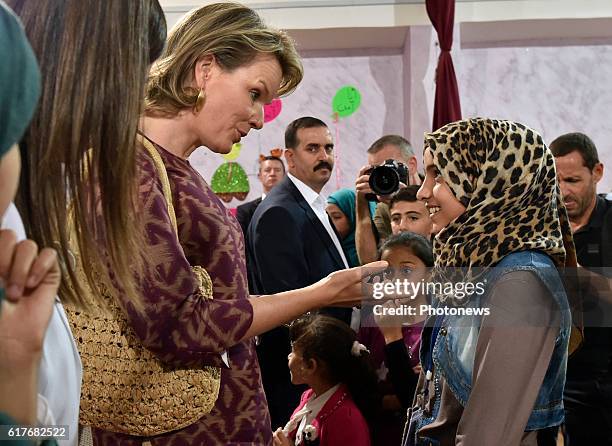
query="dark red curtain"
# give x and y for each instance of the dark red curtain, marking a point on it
(447, 107)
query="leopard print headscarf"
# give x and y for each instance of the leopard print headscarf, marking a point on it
(505, 176)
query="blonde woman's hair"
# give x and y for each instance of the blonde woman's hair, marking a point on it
(235, 35)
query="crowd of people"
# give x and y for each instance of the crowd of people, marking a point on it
(137, 310)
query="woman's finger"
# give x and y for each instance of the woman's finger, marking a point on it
(8, 240)
(23, 259)
(45, 263)
(372, 268)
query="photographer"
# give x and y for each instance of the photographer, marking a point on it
(369, 230)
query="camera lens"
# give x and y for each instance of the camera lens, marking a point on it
(384, 180)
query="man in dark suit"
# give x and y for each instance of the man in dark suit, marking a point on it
(588, 386)
(292, 244)
(271, 171)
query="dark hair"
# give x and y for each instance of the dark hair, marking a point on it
(158, 31)
(330, 341)
(416, 243)
(306, 122)
(576, 142)
(408, 193)
(271, 158)
(82, 140)
(393, 140)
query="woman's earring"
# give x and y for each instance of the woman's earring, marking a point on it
(200, 101)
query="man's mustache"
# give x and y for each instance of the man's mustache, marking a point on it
(323, 165)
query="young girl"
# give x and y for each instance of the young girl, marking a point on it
(326, 356)
(492, 189)
(395, 348)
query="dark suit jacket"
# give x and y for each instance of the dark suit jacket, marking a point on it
(287, 248)
(244, 213)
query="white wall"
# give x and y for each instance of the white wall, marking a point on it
(553, 89)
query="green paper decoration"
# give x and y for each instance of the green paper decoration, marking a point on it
(230, 181)
(346, 101)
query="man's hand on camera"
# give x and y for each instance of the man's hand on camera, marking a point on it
(362, 184)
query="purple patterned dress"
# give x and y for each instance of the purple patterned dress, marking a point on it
(183, 329)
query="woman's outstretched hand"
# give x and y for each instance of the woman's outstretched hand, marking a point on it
(349, 287)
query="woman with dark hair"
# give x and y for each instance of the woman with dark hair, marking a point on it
(494, 378)
(343, 396)
(94, 58)
(341, 210)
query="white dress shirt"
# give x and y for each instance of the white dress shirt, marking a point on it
(317, 203)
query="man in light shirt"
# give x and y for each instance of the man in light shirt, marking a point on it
(292, 244)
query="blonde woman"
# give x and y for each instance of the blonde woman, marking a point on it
(220, 66)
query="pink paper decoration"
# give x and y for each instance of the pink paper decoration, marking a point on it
(272, 110)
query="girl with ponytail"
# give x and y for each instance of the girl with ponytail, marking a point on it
(342, 399)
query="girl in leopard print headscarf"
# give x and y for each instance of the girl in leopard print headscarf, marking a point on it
(492, 191)
(504, 175)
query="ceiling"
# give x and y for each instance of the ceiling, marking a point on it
(328, 25)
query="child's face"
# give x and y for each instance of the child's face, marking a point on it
(401, 258)
(10, 166)
(410, 216)
(297, 367)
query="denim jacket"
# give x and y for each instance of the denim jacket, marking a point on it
(455, 348)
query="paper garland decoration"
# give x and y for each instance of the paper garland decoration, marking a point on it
(272, 110)
(230, 179)
(346, 101)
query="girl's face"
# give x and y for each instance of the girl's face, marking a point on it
(297, 367)
(10, 166)
(339, 219)
(442, 204)
(404, 262)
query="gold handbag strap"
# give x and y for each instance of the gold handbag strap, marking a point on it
(203, 279)
(163, 176)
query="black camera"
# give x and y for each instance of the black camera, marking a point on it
(386, 178)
